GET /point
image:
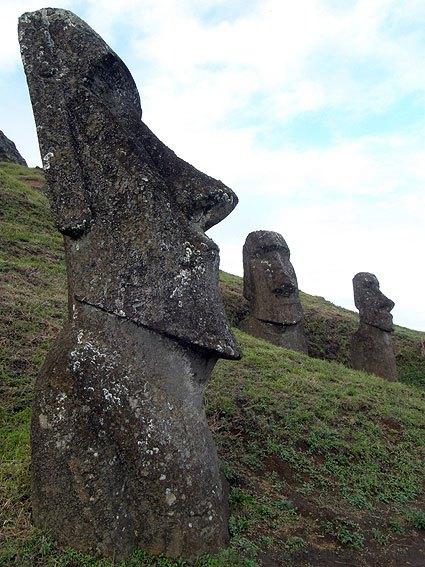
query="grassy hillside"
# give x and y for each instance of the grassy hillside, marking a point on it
(329, 328)
(325, 464)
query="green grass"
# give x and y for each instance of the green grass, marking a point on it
(320, 458)
(318, 425)
(329, 327)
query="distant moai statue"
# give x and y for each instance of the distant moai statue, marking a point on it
(122, 456)
(371, 345)
(271, 288)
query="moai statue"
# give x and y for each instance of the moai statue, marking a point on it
(371, 345)
(271, 288)
(122, 456)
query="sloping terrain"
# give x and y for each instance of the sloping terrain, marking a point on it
(328, 329)
(325, 464)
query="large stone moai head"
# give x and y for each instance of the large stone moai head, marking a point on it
(134, 215)
(371, 345)
(122, 457)
(271, 288)
(374, 307)
(270, 283)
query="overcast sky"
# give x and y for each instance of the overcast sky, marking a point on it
(313, 111)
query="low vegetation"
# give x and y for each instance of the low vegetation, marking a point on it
(325, 464)
(329, 327)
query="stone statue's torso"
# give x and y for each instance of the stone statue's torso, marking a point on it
(122, 440)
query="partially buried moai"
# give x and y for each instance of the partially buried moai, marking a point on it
(271, 288)
(371, 345)
(122, 456)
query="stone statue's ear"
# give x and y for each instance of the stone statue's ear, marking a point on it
(247, 289)
(61, 156)
(67, 188)
(49, 94)
(247, 276)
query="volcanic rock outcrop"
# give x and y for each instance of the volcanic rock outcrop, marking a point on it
(271, 288)
(122, 456)
(371, 345)
(8, 151)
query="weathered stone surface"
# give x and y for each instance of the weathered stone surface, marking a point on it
(374, 307)
(372, 351)
(271, 288)
(8, 151)
(371, 345)
(122, 455)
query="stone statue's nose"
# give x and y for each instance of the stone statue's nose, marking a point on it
(286, 289)
(212, 204)
(285, 284)
(204, 200)
(387, 303)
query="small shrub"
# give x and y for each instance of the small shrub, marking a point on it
(294, 544)
(348, 533)
(416, 518)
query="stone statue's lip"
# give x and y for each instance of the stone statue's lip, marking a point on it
(286, 294)
(385, 328)
(287, 323)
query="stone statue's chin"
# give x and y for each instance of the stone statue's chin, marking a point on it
(380, 319)
(159, 292)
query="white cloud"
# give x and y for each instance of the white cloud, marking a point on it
(281, 49)
(334, 242)
(345, 209)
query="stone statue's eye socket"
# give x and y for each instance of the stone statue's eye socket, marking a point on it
(274, 248)
(111, 82)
